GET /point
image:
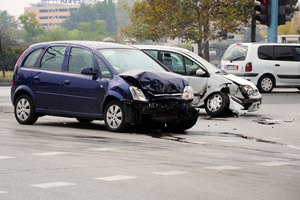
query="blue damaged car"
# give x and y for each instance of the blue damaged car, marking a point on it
(99, 81)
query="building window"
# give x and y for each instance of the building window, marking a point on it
(63, 10)
(63, 17)
(43, 17)
(44, 24)
(43, 11)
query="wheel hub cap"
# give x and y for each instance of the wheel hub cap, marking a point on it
(114, 116)
(23, 109)
(215, 103)
(266, 84)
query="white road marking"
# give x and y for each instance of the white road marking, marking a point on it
(229, 141)
(293, 147)
(5, 157)
(115, 178)
(3, 192)
(170, 173)
(198, 142)
(102, 149)
(272, 164)
(52, 185)
(224, 168)
(53, 153)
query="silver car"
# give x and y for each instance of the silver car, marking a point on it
(215, 90)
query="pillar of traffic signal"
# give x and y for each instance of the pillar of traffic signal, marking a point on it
(273, 24)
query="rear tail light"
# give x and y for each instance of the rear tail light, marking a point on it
(20, 59)
(248, 67)
(237, 67)
(12, 83)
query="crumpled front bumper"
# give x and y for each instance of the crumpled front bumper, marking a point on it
(159, 111)
(250, 104)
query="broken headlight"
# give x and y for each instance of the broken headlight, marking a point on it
(188, 93)
(247, 89)
(137, 94)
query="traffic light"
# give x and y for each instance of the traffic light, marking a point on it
(262, 7)
(283, 12)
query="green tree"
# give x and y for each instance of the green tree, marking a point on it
(31, 27)
(8, 32)
(197, 21)
(90, 14)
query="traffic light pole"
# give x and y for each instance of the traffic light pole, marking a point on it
(273, 24)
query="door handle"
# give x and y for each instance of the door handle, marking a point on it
(277, 65)
(36, 78)
(67, 82)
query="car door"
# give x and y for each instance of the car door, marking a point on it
(183, 65)
(286, 65)
(47, 79)
(82, 93)
(297, 50)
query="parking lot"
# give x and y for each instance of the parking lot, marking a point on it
(252, 156)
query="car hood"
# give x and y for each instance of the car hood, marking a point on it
(156, 82)
(238, 80)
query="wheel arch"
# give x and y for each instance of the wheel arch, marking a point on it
(267, 74)
(21, 91)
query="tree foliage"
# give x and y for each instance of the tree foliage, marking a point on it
(31, 27)
(197, 21)
(8, 33)
(90, 14)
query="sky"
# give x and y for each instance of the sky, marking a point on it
(15, 7)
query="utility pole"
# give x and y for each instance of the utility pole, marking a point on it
(273, 24)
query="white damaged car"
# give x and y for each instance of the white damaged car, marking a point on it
(215, 90)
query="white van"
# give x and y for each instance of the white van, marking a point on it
(266, 65)
(215, 90)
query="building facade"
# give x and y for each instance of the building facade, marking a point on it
(51, 13)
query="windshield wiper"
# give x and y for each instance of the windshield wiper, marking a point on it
(237, 58)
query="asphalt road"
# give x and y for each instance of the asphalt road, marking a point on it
(253, 156)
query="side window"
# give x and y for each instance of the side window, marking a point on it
(174, 62)
(80, 58)
(190, 66)
(53, 58)
(284, 53)
(265, 52)
(152, 53)
(298, 52)
(32, 58)
(105, 73)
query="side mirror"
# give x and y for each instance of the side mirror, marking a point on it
(200, 72)
(88, 71)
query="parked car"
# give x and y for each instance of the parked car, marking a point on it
(266, 65)
(215, 90)
(99, 81)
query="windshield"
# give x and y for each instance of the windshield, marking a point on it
(235, 52)
(210, 67)
(123, 60)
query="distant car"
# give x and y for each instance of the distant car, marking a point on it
(215, 90)
(267, 65)
(99, 81)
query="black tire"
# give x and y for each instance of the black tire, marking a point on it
(180, 126)
(84, 120)
(114, 117)
(217, 104)
(25, 110)
(266, 84)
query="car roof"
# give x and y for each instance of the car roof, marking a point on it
(163, 48)
(258, 44)
(89, 44)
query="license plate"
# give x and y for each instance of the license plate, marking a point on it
(231, 67)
